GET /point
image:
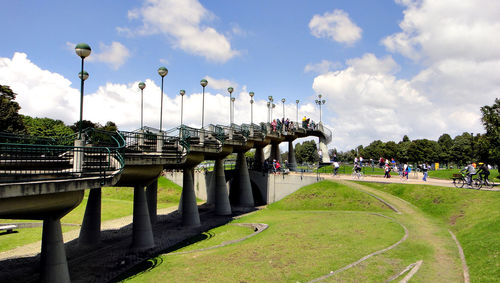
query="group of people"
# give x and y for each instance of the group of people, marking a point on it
(278, 125)
(274, 167)
(307, 123)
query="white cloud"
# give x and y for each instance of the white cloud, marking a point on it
(181, 22)
(447, 29)
(365, 101)
(322, 67)
(48, 94)
(113, 55)
(336, 26)
(220, 84)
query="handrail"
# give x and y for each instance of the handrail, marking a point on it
(42, 158)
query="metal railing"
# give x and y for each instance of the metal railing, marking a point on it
(41, 159)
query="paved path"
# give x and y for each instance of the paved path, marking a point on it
(34, 248)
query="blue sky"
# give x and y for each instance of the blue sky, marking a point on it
(385, 68)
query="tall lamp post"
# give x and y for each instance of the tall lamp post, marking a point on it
(203, 83)
(230, 90)
(142, 85)
(83, 50)
(162, 71)
(232, 107)
(182, 92)
(271, 106)
(268, 110)
(297, 102)
(283, 101)
(251, 107)
(320, 102)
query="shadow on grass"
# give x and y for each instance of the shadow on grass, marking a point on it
(152, 263)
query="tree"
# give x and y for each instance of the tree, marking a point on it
(46, 127)
(306, 152)
(10, 119)
(445, 144)
(491, 123)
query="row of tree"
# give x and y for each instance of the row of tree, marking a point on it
(13, 122)
(459, 150)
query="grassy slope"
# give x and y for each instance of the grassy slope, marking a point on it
(309, 235)
(115, 203)
(473, 216)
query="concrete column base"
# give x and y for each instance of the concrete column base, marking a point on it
(324, 149)
(241, 187)
(54, 265)
(90, 232)
(222, 205)
(152, 199)
(142, 233)
(292, 163)
(189, 207)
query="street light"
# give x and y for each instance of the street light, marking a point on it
(268, 111)
(162, 71)
(142, 85)
(83, 50)
(320, 102)
(297, 102)
(271, 106)
(203, 83)
(182, 92)
(230, 90)
(283, 100)
(251, 107)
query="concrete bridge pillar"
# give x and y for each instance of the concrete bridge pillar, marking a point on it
(222, 205)
(275, 151)
(142, 233)
(324, 149)
(292, 163)
(78, 156)
(90, 232)
(53, 262)
(159, 142)
(189, 207)
(152, 199)
(259, 158)
(241, 188)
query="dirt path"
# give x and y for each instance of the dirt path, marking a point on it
(445, 264)
(34, 248)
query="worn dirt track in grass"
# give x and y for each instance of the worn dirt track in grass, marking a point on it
(445, 265)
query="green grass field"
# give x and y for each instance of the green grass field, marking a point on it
(115, 203)
(325, 226)
(296, 246)
(472, 215)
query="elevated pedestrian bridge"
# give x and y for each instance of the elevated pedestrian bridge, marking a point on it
(45, 178)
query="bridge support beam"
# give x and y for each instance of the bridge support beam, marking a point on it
(275, 151)
(292, 163)
(54, 265)
(222, 205)
(152, 199)
(142, 233)
(324, 149)
(259, 158)
(189, 207)
(90, 232)
(241, 188)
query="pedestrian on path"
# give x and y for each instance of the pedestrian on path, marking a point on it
(425, 168)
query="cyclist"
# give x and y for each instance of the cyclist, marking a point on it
(483, 172)
(470, 171)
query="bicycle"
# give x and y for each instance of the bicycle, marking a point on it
(487, 183)
(460, 180)
(357, 174)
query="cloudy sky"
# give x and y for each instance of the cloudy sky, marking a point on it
(385, 68)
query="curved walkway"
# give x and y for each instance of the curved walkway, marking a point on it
(445, 264)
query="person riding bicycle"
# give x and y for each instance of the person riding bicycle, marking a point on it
(483, 172)
(470, 171)
(357, 168)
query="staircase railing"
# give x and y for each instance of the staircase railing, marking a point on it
(28, 158)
